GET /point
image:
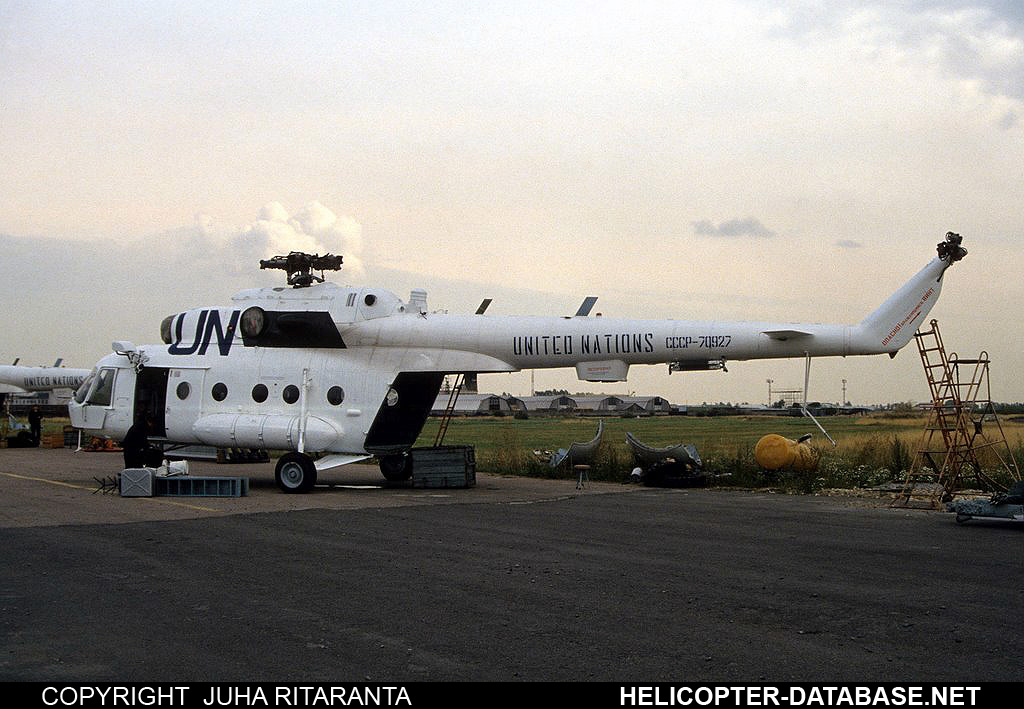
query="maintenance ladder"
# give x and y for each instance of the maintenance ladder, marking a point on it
(955, 433)
(446, 418)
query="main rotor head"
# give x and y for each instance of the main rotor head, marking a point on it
(300, 267)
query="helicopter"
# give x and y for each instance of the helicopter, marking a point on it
(19, 379)
(335, 375)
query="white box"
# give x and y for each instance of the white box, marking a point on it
(137, 482)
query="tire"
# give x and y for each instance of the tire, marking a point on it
(396, 468)
(295, 473)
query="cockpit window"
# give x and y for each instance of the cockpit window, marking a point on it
(83, 388)
(104, 387)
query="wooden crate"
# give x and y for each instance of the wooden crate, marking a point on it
(443, 467)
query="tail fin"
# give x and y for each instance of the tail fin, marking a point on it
(892, 325)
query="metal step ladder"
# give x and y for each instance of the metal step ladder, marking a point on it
(446, 418)
(955, 433)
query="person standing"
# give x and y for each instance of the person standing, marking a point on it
(136, 443)
(35, 423)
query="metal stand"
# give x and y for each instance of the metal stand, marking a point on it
(583, 472)
(963, 430)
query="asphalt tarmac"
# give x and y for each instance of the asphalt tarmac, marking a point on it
(512, 580)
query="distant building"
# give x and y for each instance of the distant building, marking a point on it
(653, 405)
(549, 404)
(469, 404)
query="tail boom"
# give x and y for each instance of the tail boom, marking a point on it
(892, 325)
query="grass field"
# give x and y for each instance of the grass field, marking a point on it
(488, 433)
(871, 450)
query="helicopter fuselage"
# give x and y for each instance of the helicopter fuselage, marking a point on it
(355, 371)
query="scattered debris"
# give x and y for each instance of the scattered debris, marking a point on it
(1003, 505)
(775, 452)
(107, 485)
(102, 445)
(672, 466)
(579, 453)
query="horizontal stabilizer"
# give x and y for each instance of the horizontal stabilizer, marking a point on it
(784, 335)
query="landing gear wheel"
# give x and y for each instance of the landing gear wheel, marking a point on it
(396, 468)
(295, 472)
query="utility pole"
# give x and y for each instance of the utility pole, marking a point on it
(770, 392)
(844, 393)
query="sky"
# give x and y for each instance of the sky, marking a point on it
(783, 161)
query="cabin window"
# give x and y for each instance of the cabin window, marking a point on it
(290, 394)
(370, 299)
(103, 388)
(335, 395)
(220, 391)
(183, 390)
(259, 393)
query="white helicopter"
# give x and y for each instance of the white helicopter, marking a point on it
(27, 379)
(19, 379)
(348, 373)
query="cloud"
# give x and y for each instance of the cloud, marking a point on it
(974, 40)
(123, 288)
(849, 244)
(314, 229)
(733, 228)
